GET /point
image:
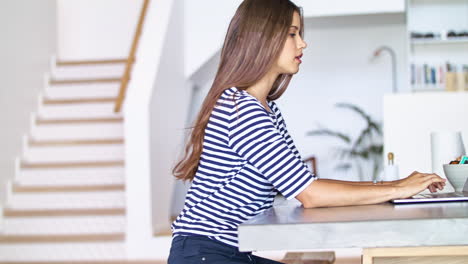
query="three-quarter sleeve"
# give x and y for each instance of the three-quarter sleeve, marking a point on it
(254, 137)
(285, 132)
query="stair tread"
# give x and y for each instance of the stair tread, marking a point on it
(115, 141)
(118, 261)
(71, 252)
(87, 261)
(73, 131)
(86, 81)
(78, 154)
(111, 119)
(82, 91)
(50, 101)
(68, 164)
(15, 212)
(76, 187)
(60, 238)
(64, 63)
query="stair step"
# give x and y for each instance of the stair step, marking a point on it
(40, 121)
(122, 261)
(45, 253)
(83, 111)
(88, 69)
(70, 183)
(77, 225)
(80, 101)
(77, 153)
(67, 200)
(83, 131)
(86, 81)
(82, 164)
(64, 63)
(82, 91)
(61, 238)
(47, 143)
(21, 188)
(8, 212)
(71, 176)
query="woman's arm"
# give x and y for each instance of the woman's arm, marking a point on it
(324, 193)
(365, 183)
(432, 187)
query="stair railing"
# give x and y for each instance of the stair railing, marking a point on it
(131, 58)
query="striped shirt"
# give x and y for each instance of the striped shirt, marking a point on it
(247, 157)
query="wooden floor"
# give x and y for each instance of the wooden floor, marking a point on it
(348, 260)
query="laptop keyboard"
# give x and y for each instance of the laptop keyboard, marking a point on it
(439, 195)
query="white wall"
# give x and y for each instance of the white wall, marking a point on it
(154, 109)
(320, 8)
(155, 113)
(169, 109)
(95, 29)
(28, 30)
(337, 67)
(205, 34)
(206, 23)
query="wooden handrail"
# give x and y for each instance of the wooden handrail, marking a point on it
(131, 58)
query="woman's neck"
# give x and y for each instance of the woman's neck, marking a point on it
(261, 89)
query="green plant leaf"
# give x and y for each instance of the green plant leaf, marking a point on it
(362, 137)
(365, 149)
(375, 149)
(355, 109)
(372, 126)
(330, 133)
(343, 166)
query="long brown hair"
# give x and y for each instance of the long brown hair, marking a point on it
(253, 43)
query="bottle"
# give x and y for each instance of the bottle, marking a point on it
(390, 171)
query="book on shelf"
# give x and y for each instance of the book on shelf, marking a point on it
(439, 77)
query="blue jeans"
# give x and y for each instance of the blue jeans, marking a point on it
(202, 250)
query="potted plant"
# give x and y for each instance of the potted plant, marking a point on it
(364, 153)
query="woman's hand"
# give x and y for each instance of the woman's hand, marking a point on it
(417, 182)
(438, 185)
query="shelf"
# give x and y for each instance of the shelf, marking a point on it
(457, 40)
(428, 88)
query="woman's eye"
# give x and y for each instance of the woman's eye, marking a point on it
(292, 34)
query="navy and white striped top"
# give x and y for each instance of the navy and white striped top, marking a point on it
(247, 157)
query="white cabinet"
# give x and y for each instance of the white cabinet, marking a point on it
(411, 117)
(438, 44)
(318, 8)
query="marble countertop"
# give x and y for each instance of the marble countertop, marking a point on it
(288, 226)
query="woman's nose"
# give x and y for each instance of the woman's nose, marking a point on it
(302, 44)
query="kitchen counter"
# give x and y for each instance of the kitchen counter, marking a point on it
(288, 226)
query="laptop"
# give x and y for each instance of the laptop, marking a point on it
(436, 197)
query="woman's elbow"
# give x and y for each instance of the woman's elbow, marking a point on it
(312, 202)
(310, 197)
(309, 205)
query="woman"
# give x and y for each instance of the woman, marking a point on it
(240, 154)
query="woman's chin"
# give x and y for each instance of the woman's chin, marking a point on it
(294, 71)
(290, 71)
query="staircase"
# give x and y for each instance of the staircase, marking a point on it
(66, 202)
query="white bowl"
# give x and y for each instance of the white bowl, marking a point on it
(456, 174)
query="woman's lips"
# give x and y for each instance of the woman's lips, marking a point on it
(299, 58)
